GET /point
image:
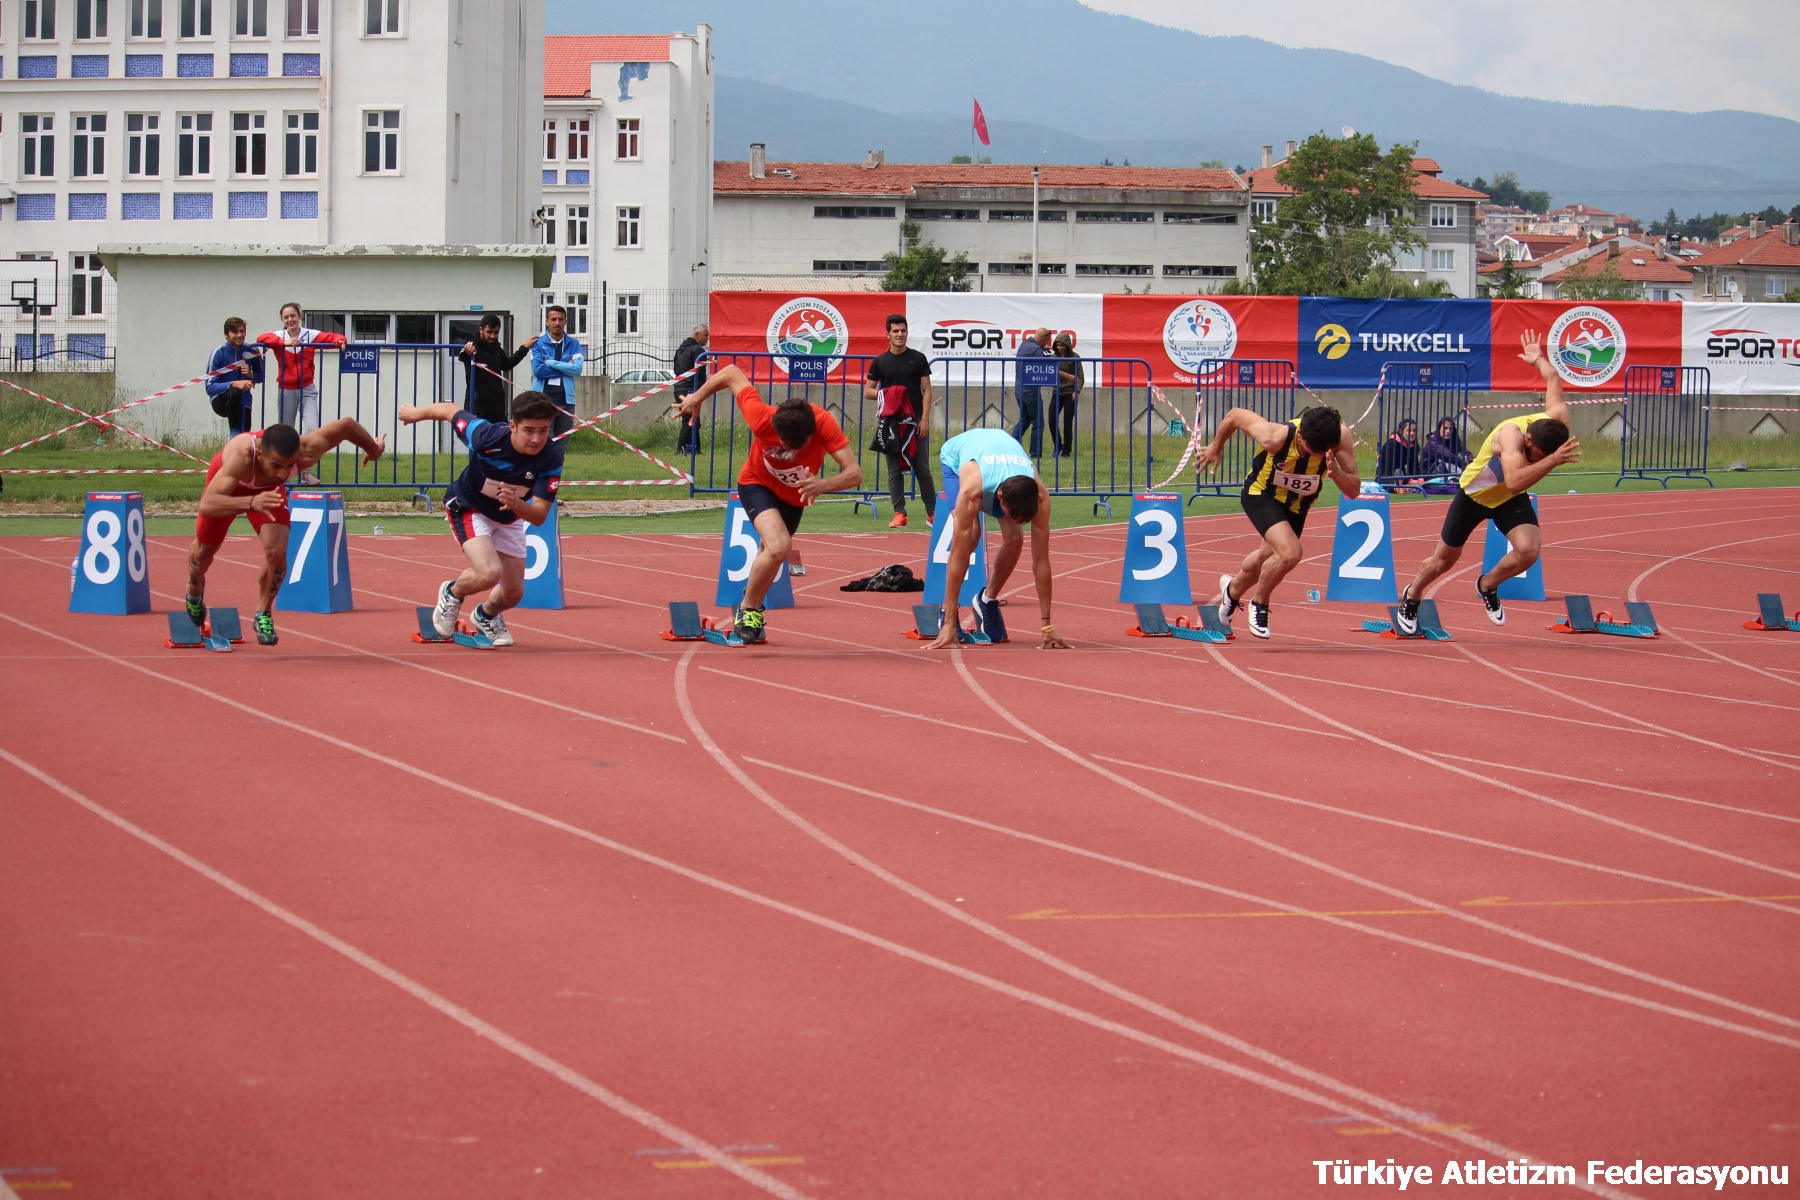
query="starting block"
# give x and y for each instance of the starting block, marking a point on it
(1431, 627)
(687, 625)
(1153, 623)
(223, 630)
(928, 622)
(1583, 619)
(427, 633)
(1772, 616)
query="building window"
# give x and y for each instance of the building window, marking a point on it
(146, 18)
(578, 226)
(860, 266)
(944, 214)
(1199, 218)
(302, 18)
(40, 19)
(853, 211)
(251, 18)
(628, 138)
(1263, 210)
(87, 146)
(369, 327)
(628, 227)
(1052, 269)
(90, 18)
(577, 304)
(1776, 285)
(1443, 216)
(85, 296)
(548, 212)
(38, 137)
(549, 141)
(579, 132)
(1112, 269)
(1659, 293)
(381, 141)
(381, 18)
(193, 146)
(1115, 217)
(1024, 214)
(1443, 260)
(249, 145)
(301, 144)
(1172, 272)
(143, 146)
(196, 19)
(626, 313)
(1009, 268)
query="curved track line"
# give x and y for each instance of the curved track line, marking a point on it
(1488, 781)
(1399, 894)
(1248, 1049)
(1183, 708)
(1433, 831)
(1631, 593)
(1622, 787)
(418, 991)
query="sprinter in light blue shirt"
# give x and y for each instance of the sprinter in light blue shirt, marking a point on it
(994, 476)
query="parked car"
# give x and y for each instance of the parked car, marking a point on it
(646, 375)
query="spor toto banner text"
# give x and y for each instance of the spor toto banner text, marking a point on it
(1751, 349)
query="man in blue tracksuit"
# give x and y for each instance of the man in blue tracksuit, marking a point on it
(233, 375)
(556, 359)
(1031, 404)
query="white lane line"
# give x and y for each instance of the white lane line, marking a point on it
(1204, 712)
(1464, 703)
(885, 710)
(1250, 1050)
(418, 991)
(1631, 593)
(1433, 831)
(1645, 687)
(1399, 894)
(1622, 787)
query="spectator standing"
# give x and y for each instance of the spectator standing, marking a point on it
(233, 374)
(900, 379)
(1069, 380)
(1031, 404)
(294, 354)
(490, 370)
(557, 358)
(688, 357)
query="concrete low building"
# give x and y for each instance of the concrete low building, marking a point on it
(184, 293)
(1097, 229)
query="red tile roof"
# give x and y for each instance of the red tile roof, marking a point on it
(566, 57)
(1769, 250)
(1425, 182)
(903, 179)
(1632, 264)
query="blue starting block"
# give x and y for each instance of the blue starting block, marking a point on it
(427, 633)
(1154, 623)
(1772, 614)
(928, 622)
(1583, 619)
(223, 630)
(1431, 626)
(687, 625)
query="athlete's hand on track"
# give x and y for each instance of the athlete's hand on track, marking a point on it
(1053, 641)
(379, 450)
(266, 502)
(945, 639)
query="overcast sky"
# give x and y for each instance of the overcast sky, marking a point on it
(1683, 54)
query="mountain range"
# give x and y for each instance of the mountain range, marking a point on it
(1060, 82)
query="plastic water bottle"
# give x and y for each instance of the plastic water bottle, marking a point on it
(1573, 492)
(377, 529)
(74, 572)
(1312, 595)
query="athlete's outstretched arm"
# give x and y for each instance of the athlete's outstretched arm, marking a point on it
(412, 414)
(728, 376)
(1533, 354)
(1266, 434)
(325, 438)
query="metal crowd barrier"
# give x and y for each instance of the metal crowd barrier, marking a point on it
(1666, 424)
(1265, 386)
(1425, 393)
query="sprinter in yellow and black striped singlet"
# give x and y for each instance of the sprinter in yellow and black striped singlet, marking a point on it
(1286, 476)
(1516, 456)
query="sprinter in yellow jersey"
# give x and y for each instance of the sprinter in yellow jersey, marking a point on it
(1286, 476)
(1514, 459)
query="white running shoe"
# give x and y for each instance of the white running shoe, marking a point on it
(1496, 612)
(492, 628)
(1227, 606)
(1406, 617)
(1259, 620)
(443, 617)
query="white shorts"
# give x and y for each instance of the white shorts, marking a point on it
(508, 539)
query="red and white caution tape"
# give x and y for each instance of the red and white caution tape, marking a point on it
(105, 471)
(681, 477)
(569, 483)
(100, 418)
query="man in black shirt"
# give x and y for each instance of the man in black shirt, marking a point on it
(900, 379)
(687, 357)
(488, 397)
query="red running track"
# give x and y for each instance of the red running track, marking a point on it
(600, 915)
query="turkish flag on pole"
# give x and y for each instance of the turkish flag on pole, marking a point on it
(980, 124)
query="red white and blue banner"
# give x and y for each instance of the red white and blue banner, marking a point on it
(1751, 349)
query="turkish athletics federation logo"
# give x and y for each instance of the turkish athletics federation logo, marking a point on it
(1587, 344)
(808, 326)
(1333, 341)
(1199, 337)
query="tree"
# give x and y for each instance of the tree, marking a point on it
(923, 266)
(1350, 216)
(1506, 191)
(1215, 163)
(984, 160)
(1509, 281)
(1604, 284)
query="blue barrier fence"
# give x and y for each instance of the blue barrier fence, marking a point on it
(1426, 394)
(1265, 386)
(1666, 424)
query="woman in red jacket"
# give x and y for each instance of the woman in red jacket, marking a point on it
(294, 362)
